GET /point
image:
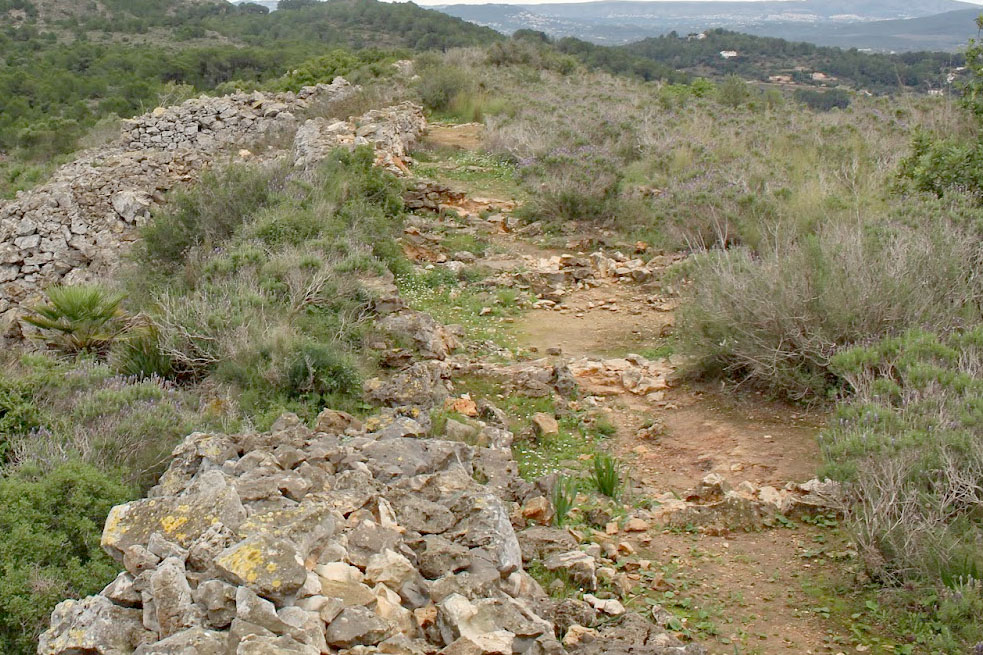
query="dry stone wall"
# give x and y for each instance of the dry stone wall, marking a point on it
(351, 538)
(391, 131)
(75, 226)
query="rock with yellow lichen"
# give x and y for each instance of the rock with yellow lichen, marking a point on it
(269, 565)
(180, 519)
(94, 626)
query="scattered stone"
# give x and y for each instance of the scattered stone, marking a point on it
(545, 425)
(609, 606)
(578, 566)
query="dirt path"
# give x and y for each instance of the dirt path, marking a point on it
(741, 592)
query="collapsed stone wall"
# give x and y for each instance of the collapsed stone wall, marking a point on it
(391, 131)
(351, 538)
(76, 225)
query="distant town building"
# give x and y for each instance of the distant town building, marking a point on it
(728, 54)
(822, 77)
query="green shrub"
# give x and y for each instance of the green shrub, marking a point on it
(76, 319)
(138, 354)
(777, 319)
(50, 527)
(910, 448)
(441, 85)
(945, 166)
(577, 185)
(325, 68)
(322, 369)
(607, 475)
(733, 91)
(823, 100)
(18, 411)
(273, 307)
(564, 497)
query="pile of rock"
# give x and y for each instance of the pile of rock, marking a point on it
(430, 196)
(206, 123)
(552, 278)
(348, 538)
(567, 269)
(390, 131)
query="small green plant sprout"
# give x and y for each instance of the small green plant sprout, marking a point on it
(607, 475)
(84, 318)
(564, 496)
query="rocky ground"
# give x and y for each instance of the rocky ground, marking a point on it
(515, 363)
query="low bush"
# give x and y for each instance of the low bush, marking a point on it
(270, 303)
(54, 410)
(910, 448)
(209, 213)
(581, 184)
(777, 319)
(945, 166)
(440, 84)
(50, 526)
(823, 100)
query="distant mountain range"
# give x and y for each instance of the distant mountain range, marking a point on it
(883, 25)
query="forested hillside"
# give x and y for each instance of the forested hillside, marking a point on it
(66, 69)
(759, 58)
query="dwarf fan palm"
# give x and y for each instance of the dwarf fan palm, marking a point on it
(84, 318)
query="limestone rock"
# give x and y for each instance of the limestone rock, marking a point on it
(269, 565)
(93, 625)
(545, 425)
(356, 626)
(172, 598)
(269, 645)
(196, 641)
(181, 519)
(579, 566)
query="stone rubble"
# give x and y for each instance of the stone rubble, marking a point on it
(350, 538)
(391, 131)
(714, 505)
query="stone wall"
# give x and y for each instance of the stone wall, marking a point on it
(75, 226)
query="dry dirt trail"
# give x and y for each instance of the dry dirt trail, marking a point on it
(743, 592)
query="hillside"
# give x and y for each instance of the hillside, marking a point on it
(765, 59)
(947, 31)
(66, 70)
(846, 24)
(357, 329)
